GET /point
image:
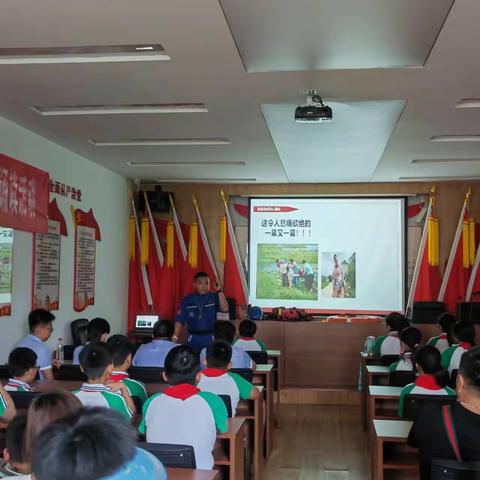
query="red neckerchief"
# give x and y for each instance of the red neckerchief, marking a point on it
(427, 381)
(181, 391)
(443, 336)
(213, 372)
(118, 376)
(246, 338)
(466, 345)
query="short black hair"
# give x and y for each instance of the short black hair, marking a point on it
(224, 330)
(200, 275)
(95, 358)
(465, 332)
(120, 348)
(182, 364)
(411, 337)
(96, 328)
(21, 360)
(396, 322)
(219, 354)
(80, 446)
(247, 328)
(429, 359)
(446, 321)
(38, 317)
(163, 329)
(15, 439)
(470, 368)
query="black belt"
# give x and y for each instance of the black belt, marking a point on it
(200, 332)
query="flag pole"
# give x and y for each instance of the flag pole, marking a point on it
(156, 241)
(205, 241)
(473, 275)
(181, 240)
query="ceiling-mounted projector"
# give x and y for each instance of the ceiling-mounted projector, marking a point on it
(315, 111)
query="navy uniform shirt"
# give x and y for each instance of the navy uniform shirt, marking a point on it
(199, 312)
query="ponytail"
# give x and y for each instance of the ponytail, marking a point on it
(446, 321)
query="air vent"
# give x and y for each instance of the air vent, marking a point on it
(182, 164)
(160, 142)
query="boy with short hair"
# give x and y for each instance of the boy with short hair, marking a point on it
(225, 330)
(153, 354)
(122, 360)
(217, 379)
(40, 323)
(13, 463)
(98, 330)
(247, 330)
(22, 363)
(183, 414)
(97, 363)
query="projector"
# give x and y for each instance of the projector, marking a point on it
(314, 112)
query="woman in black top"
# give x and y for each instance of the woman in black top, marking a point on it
(429, 433)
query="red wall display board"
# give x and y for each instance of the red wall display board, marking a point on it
(46, 261)
(6, 261)
(87, 232)
(23, 196)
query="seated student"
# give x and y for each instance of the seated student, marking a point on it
(225, 330)
(40, 323)
(22, 364)
(80, 447)
(13, 463)
(390, 344)
(429, 432)
(444, 340)
(96, 362)
(183, 414)
(7, 407)
(247, 330)
(153, 354)
(432, 378)
(217, 379)
(464, 337)
(98, 330)
(410, 339)
(122, 359)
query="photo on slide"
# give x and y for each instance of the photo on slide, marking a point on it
(338, 274)
(287, 271)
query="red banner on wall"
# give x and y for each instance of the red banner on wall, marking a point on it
(23, 196)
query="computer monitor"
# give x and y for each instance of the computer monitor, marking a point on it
(145, 322)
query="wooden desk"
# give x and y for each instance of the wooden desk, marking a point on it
(263, 375)
(229, 451)
(391, 452)
(186, 474)
(274, 357)
(382, 403)
(365, 361)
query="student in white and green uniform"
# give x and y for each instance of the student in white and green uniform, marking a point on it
(122, 360)
(7, 407)
(247, 330)
(410, 340)
(432, 378)
(183, 414)
(445, 323)
(464, 337)
(22, 363)
(217, 379)
(97, 364)
(390, 344)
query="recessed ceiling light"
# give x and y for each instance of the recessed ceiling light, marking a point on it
(445, 160)
(83, 54)
(205, 180)
(181, 164)
(455, 138)
(468, 103)
(160, 142)
(121, 109)
(440, 178)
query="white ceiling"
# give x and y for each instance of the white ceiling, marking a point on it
(206, 67)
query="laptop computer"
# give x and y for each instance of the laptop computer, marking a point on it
(145, 323)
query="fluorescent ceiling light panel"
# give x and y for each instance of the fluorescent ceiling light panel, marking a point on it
(205, 180)
(122, 109)
(161, 142)
(440, 178)
(455, 138)
(468, 103)
(445, 160)
(83, 54)
(181, 164)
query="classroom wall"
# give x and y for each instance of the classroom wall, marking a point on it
(450, 197)
(105, 192)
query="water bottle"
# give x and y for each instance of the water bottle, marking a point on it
(60, 356)
(369, 344)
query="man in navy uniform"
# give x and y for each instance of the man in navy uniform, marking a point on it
(198, 312)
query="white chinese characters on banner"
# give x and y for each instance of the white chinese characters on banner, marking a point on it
(84, 288)
(6, 255)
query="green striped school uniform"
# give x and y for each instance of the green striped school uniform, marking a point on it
(452, 356)
(387, 345)
(14, 385)
(424, 385)
(440, 342)
(403, 365)
(135, 388)
(250, 344)
(3, 406)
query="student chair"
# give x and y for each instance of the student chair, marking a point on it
(4, 371)
(147, 374)
(172, 456)
(79, 331)
(387, 360)
(414, 403)
(453, 378)
(246, 373)
(138, 404)
(260, 358)
(401, 378)
(452, 470)
(70, 373)
(22, 400)
(228, 404)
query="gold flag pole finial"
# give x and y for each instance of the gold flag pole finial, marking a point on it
(222, 194)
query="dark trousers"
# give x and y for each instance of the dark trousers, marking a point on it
(309, 281)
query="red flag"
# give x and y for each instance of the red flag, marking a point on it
(473, 289)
